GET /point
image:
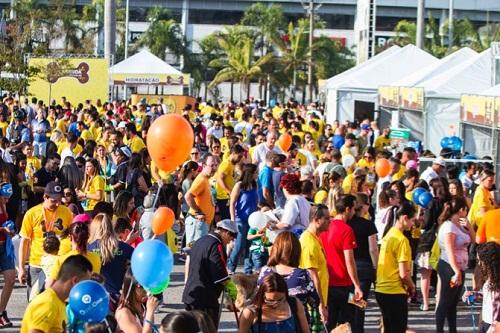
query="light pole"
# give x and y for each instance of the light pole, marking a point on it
(450, 26)
(420, 23)
(109, 29)
(126, 42)
(311, 37)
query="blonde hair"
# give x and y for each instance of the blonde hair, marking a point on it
(108, 241)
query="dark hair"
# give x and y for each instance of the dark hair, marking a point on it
(130, 127)
(236, 149)
(307, 187)
(122, 225)
(407, 209)
(270, 283)
(440, 188)
(72, 266)
(452, 207)
(247, 176)
(188, 168)
(121, 203)
(452, 171)
(489, 264)
(128, 295)
(344, 202)
(291, 183)
(401, 189)
(318, 211)
(104, 208)
(51, 244)
(108, 325)
(458, 185)
(187, 322)
(286, 250)
(79, 233)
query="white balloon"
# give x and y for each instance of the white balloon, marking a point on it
(348, 161)
(257, 220)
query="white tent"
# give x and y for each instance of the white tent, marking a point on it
(493, 91)
(442, 95)
(144, 69)
(413, 119)
(362, 83)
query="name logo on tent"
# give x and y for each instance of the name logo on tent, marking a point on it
(142, 80)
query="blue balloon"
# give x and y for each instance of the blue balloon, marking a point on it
(445, 142)
(455, 143)
(424, 199)
(89, 301)
(272, 103)
(152, 263)
(416, 193)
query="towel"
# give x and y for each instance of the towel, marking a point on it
(9, 246)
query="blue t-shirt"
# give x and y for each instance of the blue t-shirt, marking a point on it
(265, 181)
(338, 141)
(279, 196)
(114, 271)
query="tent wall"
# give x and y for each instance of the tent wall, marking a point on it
(384, 118)
(331, 105)
(440, 115)
(346, 99)
(413, 121)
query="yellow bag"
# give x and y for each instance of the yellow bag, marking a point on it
(435, 253)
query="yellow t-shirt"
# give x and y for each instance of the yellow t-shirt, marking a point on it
(347, 183)
(313, 256)
(482, 199)
(86, 135)
(3, 127)
(62, 125)
(200, 189)
(395, 248)
(96, 184)
(32, 229)
(46, 313)
(76, 151)
(227, 169)
(33, 162)
(381, 142)
(136, 144)
(301, 159)
(93, 257)
(165, 176)
(320, 197)
(400, 174)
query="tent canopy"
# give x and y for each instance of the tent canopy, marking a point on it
(145, 68)
(493, 91)
(472, 76)
(455, 59)
(392, 65)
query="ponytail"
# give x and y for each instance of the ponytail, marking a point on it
(451, 208)
(108, 241)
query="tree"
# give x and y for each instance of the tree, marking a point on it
(163, 33)
(240, 63)
(199, 64)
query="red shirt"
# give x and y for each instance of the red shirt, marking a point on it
(336, 239)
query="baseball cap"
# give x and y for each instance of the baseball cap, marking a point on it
(53, 190)
(124, 150)
(122, 124)
(6, 190)
(365, 127)
(228, 225)
(439, 161)
(81, 218)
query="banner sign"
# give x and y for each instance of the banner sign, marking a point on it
(411, 98)
(388, 96)
(77, 79)
(150, 79)
(399, 133)
(478, 109)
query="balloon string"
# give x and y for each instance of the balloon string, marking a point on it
(157, 196)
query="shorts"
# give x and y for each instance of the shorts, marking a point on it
(195, 229)
(6, 263)
(423, 260)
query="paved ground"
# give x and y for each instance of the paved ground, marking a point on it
(421, 322)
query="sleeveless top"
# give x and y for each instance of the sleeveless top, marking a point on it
(280, 326)
(246, 203)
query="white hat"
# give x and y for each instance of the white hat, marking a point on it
(440, 161)
(122, 124)
(228, 225)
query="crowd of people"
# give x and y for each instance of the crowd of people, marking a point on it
(311, 219)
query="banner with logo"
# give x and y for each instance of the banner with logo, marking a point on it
(388, 96)
(77, 79)
(150, 79)
(411, 98)
(478, 109)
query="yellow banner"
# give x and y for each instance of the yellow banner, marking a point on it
(174, 103)
(388, 96)
(411, 98)
(150, 79)
(77, 79)
(477, 109)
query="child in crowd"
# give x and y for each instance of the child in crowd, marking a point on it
(259, 244)
(127, 233)
(51, 246)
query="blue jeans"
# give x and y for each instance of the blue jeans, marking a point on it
(258, 260)
(195, 229)
(241, 247)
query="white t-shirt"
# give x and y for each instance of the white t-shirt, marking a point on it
(218, 133)
(462, 241)
(260, 152)
(296, 213)
(428, 175)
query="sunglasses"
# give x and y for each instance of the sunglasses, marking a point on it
(274, 302)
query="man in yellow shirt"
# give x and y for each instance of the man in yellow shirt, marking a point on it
(48, 217)
(383, 140)
(135, 143)
(312, 256)
(226, 179)
(47, 312)
(62, 124)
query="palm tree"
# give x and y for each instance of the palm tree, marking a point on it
(163, 33)
(240, 64)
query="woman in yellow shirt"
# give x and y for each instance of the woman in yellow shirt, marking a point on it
(93, 186)
(394, 283)
(483, 201)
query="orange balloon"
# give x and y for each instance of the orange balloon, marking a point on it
(382, 167)
(163, 219)
(170, 139)
(285, 141)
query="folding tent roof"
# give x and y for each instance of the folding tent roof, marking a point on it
(493, 91)
(337, 79)
(473, 76)
(455, 59)
(385, 70)
(145, 68)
